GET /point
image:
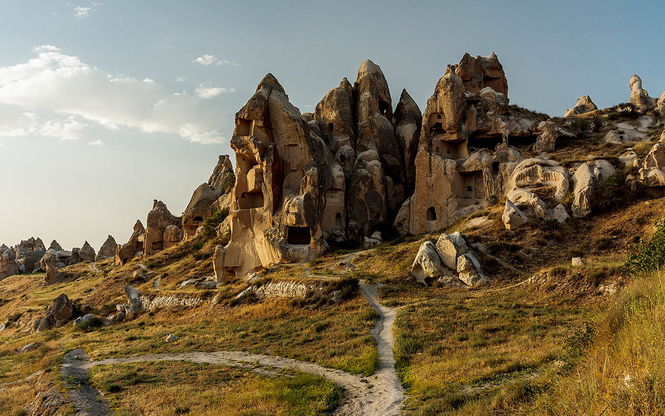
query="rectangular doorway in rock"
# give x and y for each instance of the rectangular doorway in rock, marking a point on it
(298, 235)
(244, 127)
(473, 186)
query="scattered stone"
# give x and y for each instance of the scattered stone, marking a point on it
(206, 285)
(427, 263)
(468, 268)
(29, 347)
(512, 217)
(171, 338)
(134, 300)
(559, 214)
(449, 248)
(189, 282)
(577, 262)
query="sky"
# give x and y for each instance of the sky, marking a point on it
(107, 105)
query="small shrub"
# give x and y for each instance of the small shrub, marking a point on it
(580, 127)
(649, 255)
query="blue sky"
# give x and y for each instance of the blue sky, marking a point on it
(107, 105)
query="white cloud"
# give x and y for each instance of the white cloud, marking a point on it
(69, 129)
(97, 143)
(207, 60)
(181, 79)
(209, 92)
(84, 11)
(61, 83)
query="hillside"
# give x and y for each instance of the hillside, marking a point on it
(477, 258)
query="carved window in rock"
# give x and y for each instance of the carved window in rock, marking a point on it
(244, 127)
(342, 159)
(473, 185)
(298, 235)
(436, 124)
(431, 214)
(338, 219)
(330, 128)
(249, 200)
(197, 220)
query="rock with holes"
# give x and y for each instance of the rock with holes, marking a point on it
(427, 263)
(450, 247)
(468, 269)
(107, 250)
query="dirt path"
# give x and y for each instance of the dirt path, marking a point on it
(85, 398)
(379, 394)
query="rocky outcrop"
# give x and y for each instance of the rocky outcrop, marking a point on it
(159, 218)
(55, 246)
(209, 197)
(8, 265)
(58, 313)
(464, 158)
(289, 193)
(587, 178)
(107, 250)
(133, 247)
(87, 253)
(218, 264)
(408, 119)
(639, 97)
(449, 261)
(583, 105)
(652, 172)
(28, 254)
(50, 263)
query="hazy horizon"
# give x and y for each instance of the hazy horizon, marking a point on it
(107, 106)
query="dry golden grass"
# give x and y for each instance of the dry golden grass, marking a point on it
(178, 388)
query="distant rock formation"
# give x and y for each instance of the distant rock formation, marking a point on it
(209, 197)
(583, 105)
(464, 156)
(107, 250)
(639, 97)
(87, 253)
(8, 265)
(133, 247)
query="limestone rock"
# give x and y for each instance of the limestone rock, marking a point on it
(58, 313)
(427, 263)
(577, 262)
(586, 179)
(512, 217)
(612, 137)
(107, 250)
(87, 253)
(468, 268)
(171, 338)
(559, 214)
(629, 158)
(133, 247)
(639, 96)
(450, 247)
(158, 219)
(218, 264)
(583, 105)
(54, 245)
(29, 347)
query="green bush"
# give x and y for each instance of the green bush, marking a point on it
(213, 221)
(649, 255)
(614, 194)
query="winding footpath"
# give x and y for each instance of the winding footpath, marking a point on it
(379, 394)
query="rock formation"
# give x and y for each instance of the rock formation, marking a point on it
(55, 245)
(107, 250)
(449, 261)
(28, 254)
(58, 313)
(639, 97)
(583, 105)
(464, 157)
(87, 253)
(159, 218)
(209, 197)
(587, 178)
(133, 247)
(8, 265)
